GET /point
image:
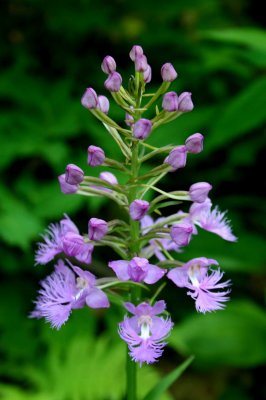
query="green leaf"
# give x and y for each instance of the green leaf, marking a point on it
(245, 112)
(233, 337)
(250, 37)
(167, 381)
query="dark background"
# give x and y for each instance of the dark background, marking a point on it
(50, 52)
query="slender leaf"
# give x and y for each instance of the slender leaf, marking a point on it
(167, 381)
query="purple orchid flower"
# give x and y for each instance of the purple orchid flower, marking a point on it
(145, 332)
(138, 270)
(65, 290)
(63, 237)
(194, 276)
(211, 220)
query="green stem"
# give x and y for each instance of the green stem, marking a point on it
(133, 251)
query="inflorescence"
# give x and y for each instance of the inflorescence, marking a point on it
(139, 238)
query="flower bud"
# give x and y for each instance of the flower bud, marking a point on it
(135, 52)
(129, 119)
(89, 99)
(177, 158)
(65, 187)
(194, 143)
(168, 73)
(103, 104)
(147, 74)
(108, 177)
(108, 65)
(170, 102)
(142, 128)
(113, 82)
(73, 244)
(138, 208)
(198, 192)
(74, 175)
(184, 102)
(181, 233)
(141, 63)
(97, 228)
(96, 156)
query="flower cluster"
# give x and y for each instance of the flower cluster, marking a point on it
(147, 249)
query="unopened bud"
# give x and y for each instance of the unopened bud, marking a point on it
(168, 72)
(108, 177)
(142, 128)
(65, 187)
(96, 156)
(103, 104)
(198, 192)
(177, 158)
(181, 233)
(97, 228)
(89, 99)
(194, 143)
(147, 74)
(141, 63)
(129, 119)
(138, 208)
(170, 102)
(135, 52)
(74, 174)
(108, 65)
(184, 102)
(113, 82)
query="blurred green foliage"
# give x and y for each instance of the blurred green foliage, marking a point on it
(50, 52)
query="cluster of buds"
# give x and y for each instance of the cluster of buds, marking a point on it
(147, 249)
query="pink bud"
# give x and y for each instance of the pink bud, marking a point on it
(170, 102)
(199, 191)
(141, 63)
(65, 187)
(135, 52)
(113, 82)
(89, 99)
(138, 208)
(194, 143)
(147, 74)
(96, 156)
(108, 65)
(184, 102)
(97, 229)
(74, 175)
(142, 128)
(181, 233)
(177, 157)
(168, 73)
(108, 177)
(103, 104)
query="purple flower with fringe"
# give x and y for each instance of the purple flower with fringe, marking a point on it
(63, 237)
(194, 276)
(67, 289)
(210, 220)
(145, 332)
(138, 270)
